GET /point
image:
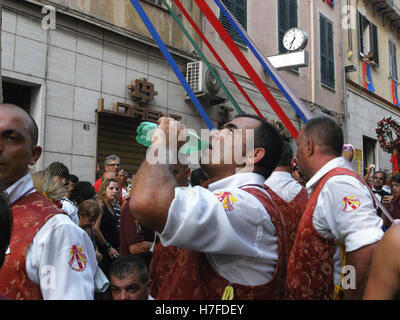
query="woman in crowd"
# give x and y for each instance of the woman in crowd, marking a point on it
(392, 202)
(106, 226)
(88, 212)
(82, 191)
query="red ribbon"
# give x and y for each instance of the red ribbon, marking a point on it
(215, 54)
(395, 162)
(246, 66)
(394, 93)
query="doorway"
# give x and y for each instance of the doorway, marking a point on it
(17, 94)
(369, 153)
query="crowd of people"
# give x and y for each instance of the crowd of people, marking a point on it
(277, 225)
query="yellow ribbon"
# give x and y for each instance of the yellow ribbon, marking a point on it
(228, 293)
(339, 291)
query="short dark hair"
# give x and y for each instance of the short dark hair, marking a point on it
(268, 137)
(31, 125)
(73, 178)
(396, 178)
(5, 227)
(196, 176)
(381, 172)
(287, 155)
(33, 131)
(326, 133)
(123, 266)
(58, 169)
(83, 191)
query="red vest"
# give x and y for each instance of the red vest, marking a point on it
(191, 276)
(310, 268)
(161, 263)
(292, 212)
(30, 213)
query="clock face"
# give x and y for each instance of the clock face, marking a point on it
(295, 39)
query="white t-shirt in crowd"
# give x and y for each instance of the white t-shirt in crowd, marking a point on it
(69, 208)
(284, 185)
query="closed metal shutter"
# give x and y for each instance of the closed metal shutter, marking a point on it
(117, 135)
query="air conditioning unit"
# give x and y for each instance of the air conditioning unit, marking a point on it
(204, 85)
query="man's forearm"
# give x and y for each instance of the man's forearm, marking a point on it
(361, 259)
(152, 195)
(140, 247)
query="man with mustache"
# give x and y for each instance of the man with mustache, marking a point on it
(49, 256)
(232, 236)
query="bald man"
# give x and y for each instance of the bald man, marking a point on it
(339, 226)
(49, 256)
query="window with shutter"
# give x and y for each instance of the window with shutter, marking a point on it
(287, 15)
(374, 42)
(361, 33)
(238, 8)
(327, 52)
(393, 60)
(368, 39)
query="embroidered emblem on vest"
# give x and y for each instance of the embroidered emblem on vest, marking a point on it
(227, 200)
(350, 204)
(77, 259)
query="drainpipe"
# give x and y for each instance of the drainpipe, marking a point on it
(312, 53)
(1, 82)
(344, 56)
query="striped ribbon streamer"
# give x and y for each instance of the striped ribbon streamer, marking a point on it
(303, 112)
(217, 57)
(171, 62)
(247, 67)
(210, 67)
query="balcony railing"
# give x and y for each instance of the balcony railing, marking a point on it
(395, 5)
(388, 9)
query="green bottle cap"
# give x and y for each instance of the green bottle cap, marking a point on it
(193, 141)
(144, 135)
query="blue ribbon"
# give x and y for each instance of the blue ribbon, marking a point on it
(171, 62)
(370, 83)
(261, 60)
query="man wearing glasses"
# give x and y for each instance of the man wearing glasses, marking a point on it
(111, 164)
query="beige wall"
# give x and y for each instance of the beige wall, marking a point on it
(262, 20)
(121, 14)
(380, 75)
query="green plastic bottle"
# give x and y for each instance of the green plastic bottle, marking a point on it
(193, 141)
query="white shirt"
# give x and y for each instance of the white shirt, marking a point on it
(47, 261)
(354, 224)
(239, 240)
(124, 193)
(284, 185)
(69, 208)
